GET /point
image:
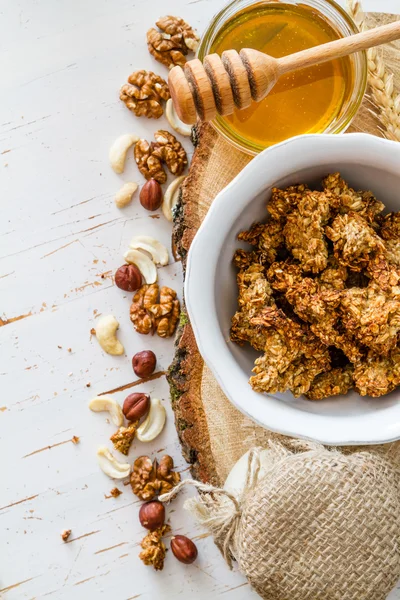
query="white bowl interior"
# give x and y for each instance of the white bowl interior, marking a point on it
(211, 290)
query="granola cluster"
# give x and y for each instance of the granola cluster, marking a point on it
(154, 549)
(319, 293)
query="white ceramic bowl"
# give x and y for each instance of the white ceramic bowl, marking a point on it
(366, 162)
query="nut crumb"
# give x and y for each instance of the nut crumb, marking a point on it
(93, 331)
(65, 534)
(88, 384)
(69, 349)
(75, 440)
(59, 347)
(114, 493)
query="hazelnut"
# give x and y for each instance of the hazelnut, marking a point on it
(136, 406)
(151, 195)
(152, 515)
(128, 278)
(183, 549)
(144, 363)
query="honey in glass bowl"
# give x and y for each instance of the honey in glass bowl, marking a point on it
(305, 101)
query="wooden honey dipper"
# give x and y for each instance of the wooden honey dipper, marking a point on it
(221, 83)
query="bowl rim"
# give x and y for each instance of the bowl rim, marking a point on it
(203, 259)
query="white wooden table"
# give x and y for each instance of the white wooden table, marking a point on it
(62, 237)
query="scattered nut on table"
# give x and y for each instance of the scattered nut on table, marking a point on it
(125, 194)
(171, 197)
(106, 335)
(154, 549)
(154, 310)
(108, 404)
(144, 363)
(66, 533)
(152, 515)
(145, 265)
(157, 251)
(175, 121)
(110, 466)
(128, 278)
(166, 149)
(154, 423)
(115, 492)
(144, 93)
(123, 438)
(151, 195)
(150, 166)
(119, 150)
(136, 406)
(150, 479)
(173, 42)
(183, 549)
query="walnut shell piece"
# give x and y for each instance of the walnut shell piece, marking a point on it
(154, 310)
(150, 479)
(144, 93)
(172, 42)
(154, 549)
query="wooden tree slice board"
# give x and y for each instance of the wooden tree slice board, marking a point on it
(212, 432)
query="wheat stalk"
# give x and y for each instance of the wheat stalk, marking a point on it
(381, 82)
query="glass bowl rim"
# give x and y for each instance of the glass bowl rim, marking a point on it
(360, 59)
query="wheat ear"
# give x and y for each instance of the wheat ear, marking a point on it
(382, 92)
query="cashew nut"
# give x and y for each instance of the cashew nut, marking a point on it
(143, 263)
(124, 196)
(154, 423)
(110, 466)
(158, 251)
(106, 403)
(175, 121)
(171, 197)
(119, 149)
(106, 329)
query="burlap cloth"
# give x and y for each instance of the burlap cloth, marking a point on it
(343, 507)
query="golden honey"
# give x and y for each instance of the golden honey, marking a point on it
(305, 101)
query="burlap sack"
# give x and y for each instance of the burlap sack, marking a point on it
(318, 525)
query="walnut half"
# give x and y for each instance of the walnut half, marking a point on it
(150, 479)
(143, 94)
(151, 156)
(172, 42)
(155, 311)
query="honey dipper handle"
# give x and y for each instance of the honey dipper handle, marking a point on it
(339, 48)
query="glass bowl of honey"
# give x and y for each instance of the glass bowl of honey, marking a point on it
(319, 99)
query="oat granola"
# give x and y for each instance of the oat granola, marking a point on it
(319, 293)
